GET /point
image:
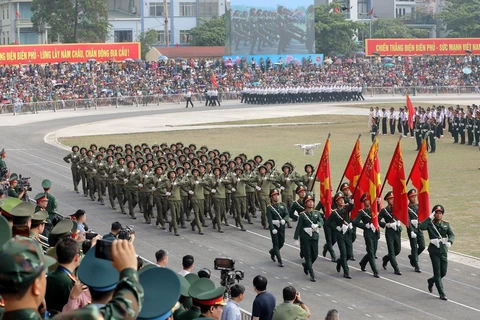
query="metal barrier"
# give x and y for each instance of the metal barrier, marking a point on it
(138, 101)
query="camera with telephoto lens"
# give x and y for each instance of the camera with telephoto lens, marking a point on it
(3, 174)
(125, 233)
(23, 183)
(228, 274)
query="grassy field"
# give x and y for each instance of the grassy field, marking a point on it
(453, 168)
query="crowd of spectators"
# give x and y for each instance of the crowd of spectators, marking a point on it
(20, 84)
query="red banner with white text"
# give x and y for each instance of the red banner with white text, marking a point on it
(74, 52)
(433, 46)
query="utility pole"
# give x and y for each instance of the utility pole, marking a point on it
(165, 12)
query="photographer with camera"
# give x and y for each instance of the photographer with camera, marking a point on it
(127, 233)
(14, 191)
(292, 306)
(114, 230)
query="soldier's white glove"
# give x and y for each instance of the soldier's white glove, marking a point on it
(197, 182)
(78, 167)
(174, 183)
(351, 201)
(310, 178)
(379, 201)
(94, 170)
(105, 175)
(367, 226)
(344, 228)
(85, 168)
(435, 242)
(448, 244)
(219, 180)
(414, 223)
(413, 234)
(282, 222)
(191, 192)
(145, 176)
(274, 231)
(432, 215)
(338, 228)
(234, 174)
(213, 191)
(287, 179)
(115, 179)
(297, 243)
(264, 178)
(168, 193)
(153, 188)
(125, 180)
(238, 179)
(282, 188)
(258, 188)
(140, 185)
(350, 226)
(233, 190)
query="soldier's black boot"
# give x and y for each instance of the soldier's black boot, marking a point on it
(443, 297)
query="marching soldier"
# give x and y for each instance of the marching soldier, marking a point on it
(197, 185)
(100, 177)
(74, 159)
(174, 199)
(88, 164)
(418, 132)
(159, 196)
(265, 182)
(276, 215)
(218, 186)
(431, 127)
(110, 180)
(185, 208)
(415, 235)
(340, 220)
(370, 233)
(132, 182)
(392, 233)
(441, 239)
(145, 190)
(307, 229)
(120, 176)
(250, 192)
(82, 171)
(297, 207)
(239, 197)
(345, 188)
(469, 124)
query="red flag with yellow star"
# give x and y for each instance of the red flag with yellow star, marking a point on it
(323, 175)
(419, 177)
(352, 173)
(396, 178)
(368, 181)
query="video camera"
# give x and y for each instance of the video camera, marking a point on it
(125, 233)
(24, 182)
(228, 274)
(3, 173)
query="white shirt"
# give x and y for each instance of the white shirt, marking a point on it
(183, 273)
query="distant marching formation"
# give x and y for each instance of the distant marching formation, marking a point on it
(180, 179)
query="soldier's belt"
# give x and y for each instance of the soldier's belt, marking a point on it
(308, 231)
(276, 223)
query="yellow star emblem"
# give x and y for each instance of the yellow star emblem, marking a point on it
(373, 189)
(355, 180)
(425, 186)
(326, 184)
(404, 183)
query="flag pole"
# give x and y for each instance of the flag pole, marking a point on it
(390, 166)
(418, 155)
(344, 171)
(318, 166)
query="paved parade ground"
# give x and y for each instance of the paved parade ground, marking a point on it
(32, 146)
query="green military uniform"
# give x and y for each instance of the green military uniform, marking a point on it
(339, 220)
(11, 192)
(431, 130)
(173, 185)
(100, 177)
(59, 284)
(74, 159)
(374, 130)
(371, 235)
(288, 182)
(418, 132)
(22, 262)
(110, 180)
(309, 177)
(197, 185)
(159, 197)
(277, 215)
(146, 192)
(415, 235)
(132, 182)
(330, 235)
(393, 234)
(469, 122)
(88, 165)
(120, 176)
(184, 214)
(218, 186)
(239, 197)
(265, 182)
(441, 238)
(52, 205)
(307, 229)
